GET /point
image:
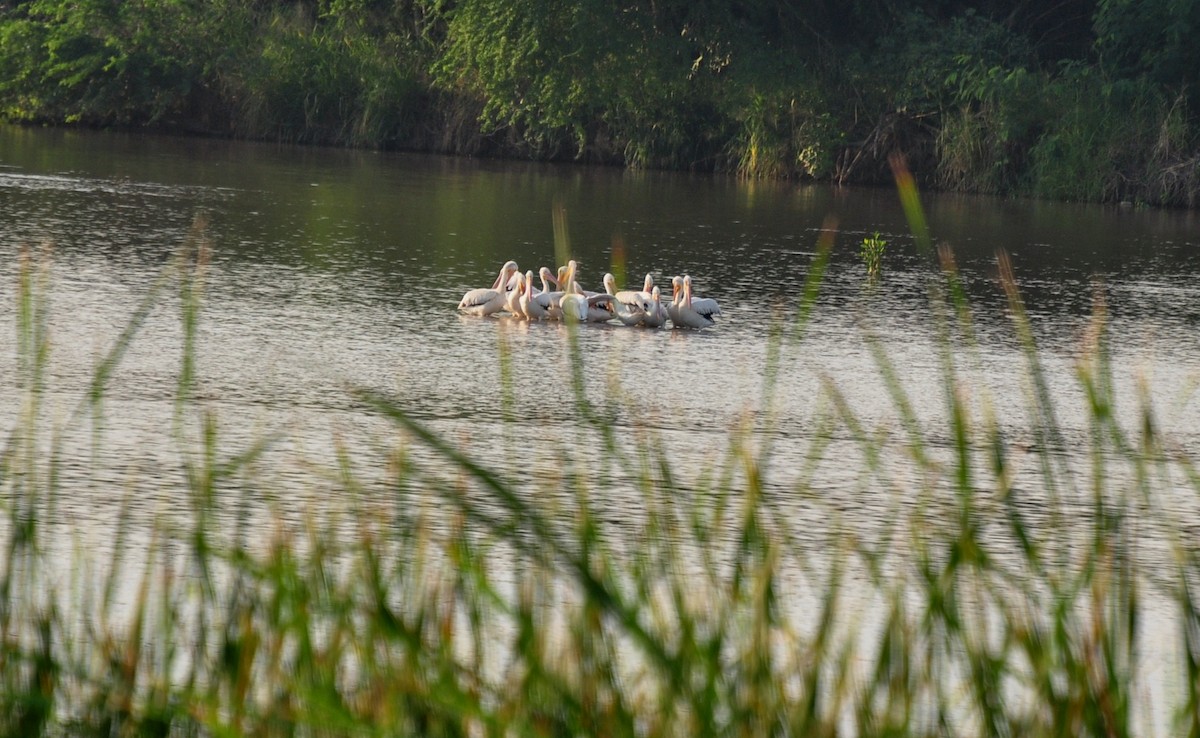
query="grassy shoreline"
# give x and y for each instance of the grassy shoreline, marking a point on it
(1071, 103)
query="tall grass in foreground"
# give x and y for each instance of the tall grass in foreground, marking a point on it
(983, 606)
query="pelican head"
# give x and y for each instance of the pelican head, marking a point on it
(506, 273)
(676, 286)
(610, 283)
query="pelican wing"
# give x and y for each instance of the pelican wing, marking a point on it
(482, 301)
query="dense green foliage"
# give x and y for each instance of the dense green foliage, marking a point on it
(1077, 99)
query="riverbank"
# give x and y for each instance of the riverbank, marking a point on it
(1052, 105)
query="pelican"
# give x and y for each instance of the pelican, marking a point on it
(571, 295)
(574, 307)
(656, 316)
(600, 308)
(647, 290)
(628, 314)
(703, 305)
(574, 303)
(566, 274)
(485, 301)
(572, 270)
(688, 315)
(629, 297)
(676, 297)
(512, 300)
(530, 305)
(547, 278)
(549, 300)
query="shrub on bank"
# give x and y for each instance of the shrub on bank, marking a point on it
(1066, 103)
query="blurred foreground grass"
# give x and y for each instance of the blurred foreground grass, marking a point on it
(979, 609)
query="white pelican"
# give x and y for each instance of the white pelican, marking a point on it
(530, 305)
(572, 271)
(628, 314)
(676, 298)
(547, 278)
(548, 299)
(572, 294)
(512, 300)
(574, 307)
(629, 297)
(688, 315)
(656, 316)
(574, 303)
(600, 308)
(647, 289)
(485, 301)
(703, 305)
(566, 273)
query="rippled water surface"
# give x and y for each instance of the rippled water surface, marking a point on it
(332, 270)
(335, 269)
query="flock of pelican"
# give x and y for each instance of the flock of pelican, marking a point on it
(516, 293)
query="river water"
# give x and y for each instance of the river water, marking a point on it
(333, 270)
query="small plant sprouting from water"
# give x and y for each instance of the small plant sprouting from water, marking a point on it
(872, 250)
